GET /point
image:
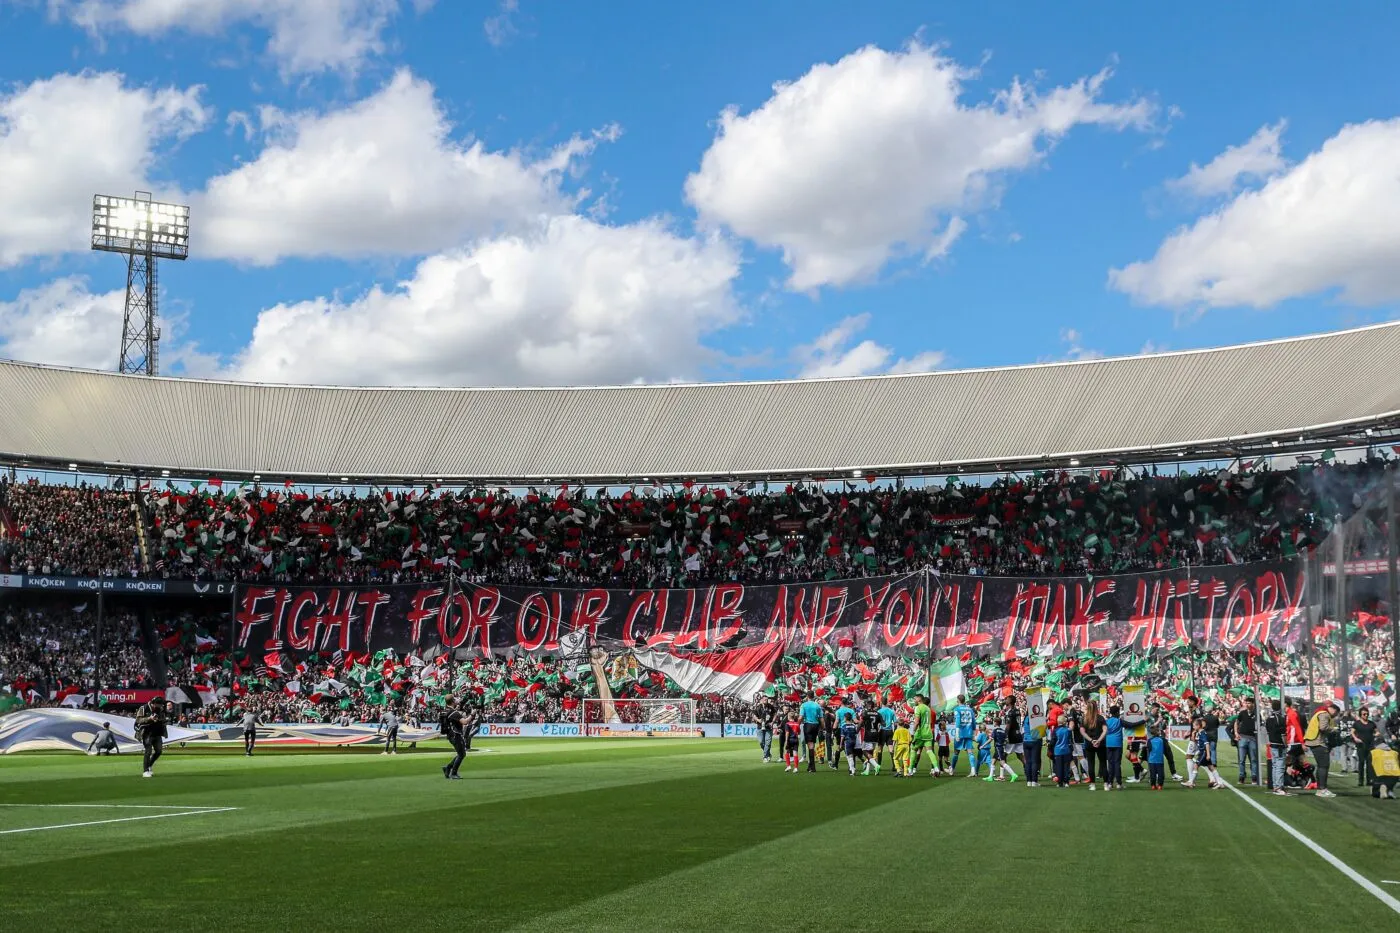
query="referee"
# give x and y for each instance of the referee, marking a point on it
(452, 724)
(150, 725)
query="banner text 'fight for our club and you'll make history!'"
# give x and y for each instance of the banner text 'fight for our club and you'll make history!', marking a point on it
(1233, 607)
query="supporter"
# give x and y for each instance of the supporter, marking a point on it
(1112, 521)
(49, 652)
(1043, 523)
(71, 530)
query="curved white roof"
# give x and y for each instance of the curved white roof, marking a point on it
(1197, 403)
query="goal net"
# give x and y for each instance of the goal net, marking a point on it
(655, 718)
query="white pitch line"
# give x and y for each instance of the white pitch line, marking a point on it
(1328, 857)
(118, 806)
(123, 819)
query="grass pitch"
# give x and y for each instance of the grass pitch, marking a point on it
(656, 834)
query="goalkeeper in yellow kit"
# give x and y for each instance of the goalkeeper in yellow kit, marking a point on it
(902, 740)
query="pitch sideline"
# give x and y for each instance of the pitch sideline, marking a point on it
(1326, 856)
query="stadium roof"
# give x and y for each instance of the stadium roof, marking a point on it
(1202, 404)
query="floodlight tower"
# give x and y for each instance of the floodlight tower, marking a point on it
(143, 231)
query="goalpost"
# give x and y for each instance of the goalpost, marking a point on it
(649, 718)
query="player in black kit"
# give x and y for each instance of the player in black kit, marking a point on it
(871, 728)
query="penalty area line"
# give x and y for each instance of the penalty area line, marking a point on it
(1326, 856)
(120, 819)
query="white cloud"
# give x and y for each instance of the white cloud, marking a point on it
(62, 323)
(1074, 346)
(574, 302)
(1255, 160)
(1331, 222)
(832, 354)
(303, 35)
(383, 176)
(501, 28)
(877, 156)
(64, 139)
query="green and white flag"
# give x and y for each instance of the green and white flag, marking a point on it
(945, 682)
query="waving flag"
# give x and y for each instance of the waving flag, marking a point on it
(742, 673)
(945, 682)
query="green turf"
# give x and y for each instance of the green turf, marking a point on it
(655, 834)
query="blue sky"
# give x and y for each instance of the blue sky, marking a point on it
(458, 193)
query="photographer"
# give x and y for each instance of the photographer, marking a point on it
(150, 727)
(453, 725)
(1320, 740)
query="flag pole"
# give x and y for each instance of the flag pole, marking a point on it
(97, 651)
(1393, 577)
(1191, 640)
(1340, 589)
(1314, 613)
(233, 618)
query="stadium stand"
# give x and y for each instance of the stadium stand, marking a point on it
(781, 490)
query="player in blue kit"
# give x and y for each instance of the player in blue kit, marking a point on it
(964, 724)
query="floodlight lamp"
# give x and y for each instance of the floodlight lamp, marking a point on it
(140, 226)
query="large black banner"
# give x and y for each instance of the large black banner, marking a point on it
(1232, 607)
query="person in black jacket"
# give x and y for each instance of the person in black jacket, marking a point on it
(150, 726)
(1245, 731)
(1275, 730)
(453, 725)
(1363, 733)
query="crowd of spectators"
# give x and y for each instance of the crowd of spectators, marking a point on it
(81, 530)
(1049, 522)
(1090, 522)
(1052, 522)
(48, 652)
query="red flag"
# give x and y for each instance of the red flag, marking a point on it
(215, 482)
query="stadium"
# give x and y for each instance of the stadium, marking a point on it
(867, 637)
(619, 662)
